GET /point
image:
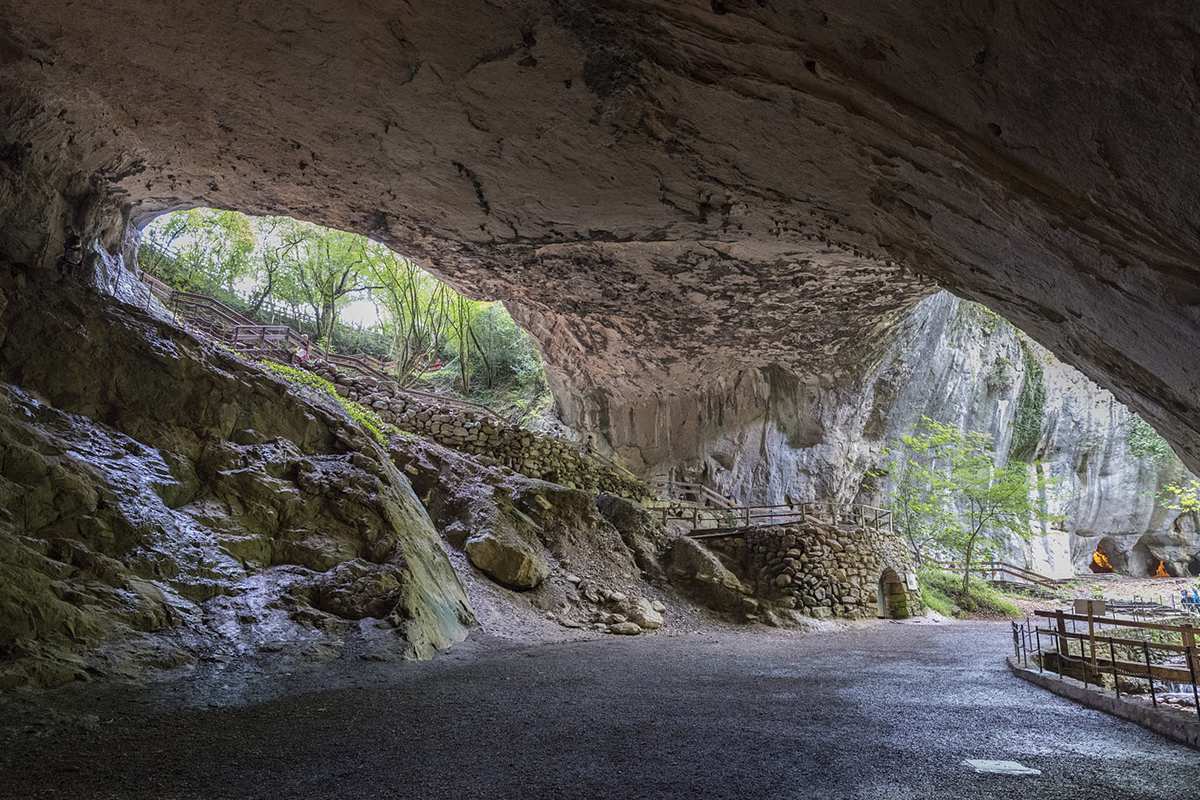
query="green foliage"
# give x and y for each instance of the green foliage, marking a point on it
(1144, 441)
(942, 592)
(1181, 496)
(281, 271)
(1031, 408)
(951, 490)
(213, 250)
(982, 317)
(364, 416)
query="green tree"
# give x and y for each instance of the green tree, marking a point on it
(203, 249)
(327, 267)
(959, 497)
(1183, 497)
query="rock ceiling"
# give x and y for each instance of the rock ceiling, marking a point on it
(666, 192)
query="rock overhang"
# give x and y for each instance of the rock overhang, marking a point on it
(666, 193)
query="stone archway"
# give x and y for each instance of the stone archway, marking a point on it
(893, 597)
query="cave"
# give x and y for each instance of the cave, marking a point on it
(705, 213)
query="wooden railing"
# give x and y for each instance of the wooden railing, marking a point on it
(1150, 657)
(690, 492)
(991, 569)
(713, 523)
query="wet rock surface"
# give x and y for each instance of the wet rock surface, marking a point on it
(848, 714)
(165, 503)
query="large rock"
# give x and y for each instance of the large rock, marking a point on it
(701, 573)
(507, 560)
(165, 501)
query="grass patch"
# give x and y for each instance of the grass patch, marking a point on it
(364, 416)
(940, 592)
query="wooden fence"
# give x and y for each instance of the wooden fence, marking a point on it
(1165, 652)
(713, 523)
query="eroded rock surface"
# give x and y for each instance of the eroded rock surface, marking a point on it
(165, 502)
(582, 560)
(668, 192)
(778, 437)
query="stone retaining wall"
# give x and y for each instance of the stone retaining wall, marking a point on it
(822, 570)
(532, 454)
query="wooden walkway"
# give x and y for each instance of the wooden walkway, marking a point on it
(709, 515)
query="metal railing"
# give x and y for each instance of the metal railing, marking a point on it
(1100, 654)
(712, 523)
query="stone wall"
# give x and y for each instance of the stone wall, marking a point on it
(821, 570)
(532, 454)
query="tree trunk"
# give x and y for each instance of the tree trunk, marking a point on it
(967, 556)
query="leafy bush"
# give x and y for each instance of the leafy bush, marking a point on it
(1144, 441)
(940, 592)
(1031, 408)
(364, 416)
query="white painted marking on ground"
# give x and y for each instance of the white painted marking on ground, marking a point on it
(1000, 767)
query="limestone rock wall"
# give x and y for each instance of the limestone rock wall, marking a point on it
(961, 365)
(823, 570)
(163, 504)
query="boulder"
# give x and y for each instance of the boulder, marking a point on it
(642, 612)
(700, 572)
(507, 560)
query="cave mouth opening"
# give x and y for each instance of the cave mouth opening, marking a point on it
(349, 296)
(1101, 564)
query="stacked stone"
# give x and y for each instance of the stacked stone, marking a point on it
(818, 569)
(536, 455)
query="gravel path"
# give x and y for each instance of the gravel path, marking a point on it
(876, 711)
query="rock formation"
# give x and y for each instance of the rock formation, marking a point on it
(165, 503)
(960, 364)
(668, 192)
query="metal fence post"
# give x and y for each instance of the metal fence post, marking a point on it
(1037, 632)
(1112, 654)
(1149, 673)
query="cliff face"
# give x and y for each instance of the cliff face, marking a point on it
(164, 504)
(960, 364)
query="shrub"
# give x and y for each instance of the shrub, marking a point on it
(364, 416)
(1144, 441)
(1031, 408)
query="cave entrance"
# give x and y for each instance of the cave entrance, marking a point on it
(282, 289)
(1101, 564)
(893, 597)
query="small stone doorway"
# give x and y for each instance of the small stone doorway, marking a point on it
(893, 597)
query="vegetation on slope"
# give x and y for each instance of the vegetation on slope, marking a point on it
(1144, 441)
(281, 271)
(364, 416)
(941, 592)
(1031, 408)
